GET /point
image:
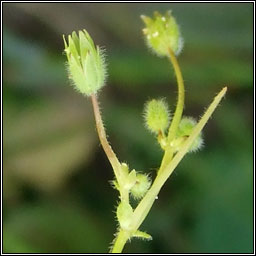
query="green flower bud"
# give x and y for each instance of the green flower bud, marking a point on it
(141, 186)
(156, 115)
(184, 130)
(86, 65)
(186, 126)
(162, 33)
(124, 214)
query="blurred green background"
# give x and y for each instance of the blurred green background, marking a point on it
(57, 197)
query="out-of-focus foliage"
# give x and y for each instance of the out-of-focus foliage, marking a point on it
(57, 198)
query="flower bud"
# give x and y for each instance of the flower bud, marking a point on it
(124, 214)
(86, 65)
(156, 115)
(184, 130)
(141, 186)
(162, 33)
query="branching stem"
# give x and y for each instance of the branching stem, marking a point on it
(120, 242)
(146, 203)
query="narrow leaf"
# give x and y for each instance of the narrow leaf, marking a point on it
(142, 235)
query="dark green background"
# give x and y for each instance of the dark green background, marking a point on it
(57, 196)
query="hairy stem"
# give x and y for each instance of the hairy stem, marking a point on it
(146, 203)
(120, 242)
(103, 138)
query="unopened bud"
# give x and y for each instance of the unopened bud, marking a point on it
(156, 115)
(86, 65)
(141, 186)
(162, 33)
(185, 128)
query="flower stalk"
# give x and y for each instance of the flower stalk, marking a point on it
(103, 137)
(183, 135)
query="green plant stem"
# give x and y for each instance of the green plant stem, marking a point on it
(143, 208)
(178, 112)
(120, 241)
(181, 97)
(103, 138)
(146, 203)
(123, 236)
(124, 194)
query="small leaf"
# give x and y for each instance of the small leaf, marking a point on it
(142, 235)
(125, 168)
(115, 184)
(131, 179)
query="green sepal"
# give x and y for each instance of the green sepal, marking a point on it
(73, 50)
(86, 63)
